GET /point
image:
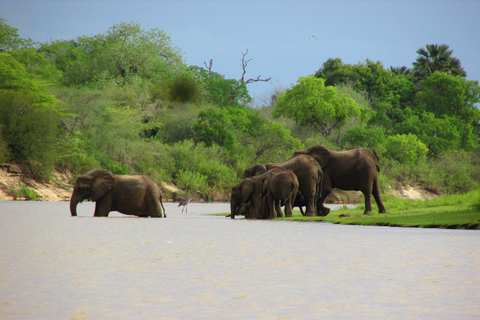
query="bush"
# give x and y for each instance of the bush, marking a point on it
(453, 172)
(190, 180)
(30, 130)
(26, 192)
(405, 149)
(362, 137)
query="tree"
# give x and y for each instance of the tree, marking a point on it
(214, 126)
(9, 38)
(312, 103)
(220, 91)
(405, 148)
(436, 57)
(124, 52)
(389, 92)
(244, 67)
(438, 134)
(444, 94)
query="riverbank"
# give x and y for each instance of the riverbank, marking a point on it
(16, 184)
(448, 212)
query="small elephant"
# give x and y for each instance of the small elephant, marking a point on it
(280, 188)
(133, 194)
(353, 169)
(249, 190)
(309, 175)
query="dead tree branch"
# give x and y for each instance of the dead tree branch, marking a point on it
(209, 67)
(244, 67)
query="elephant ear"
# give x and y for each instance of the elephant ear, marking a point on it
(243, 208)
(102, 183)
(321, 154)
(265, 182)
(246, 189)
(256, 170)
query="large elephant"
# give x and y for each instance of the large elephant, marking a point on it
(280, 188)
(309, 175)
(133, 194)
(353, 169)
(246, 196)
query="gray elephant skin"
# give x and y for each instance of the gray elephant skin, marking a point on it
(133, 194)
(249, 197)
(309, 174)
(280, 188)
(353, 169)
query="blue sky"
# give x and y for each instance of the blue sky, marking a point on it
(285, 39)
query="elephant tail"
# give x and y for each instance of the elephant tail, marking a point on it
(377, 163)
(160, 198)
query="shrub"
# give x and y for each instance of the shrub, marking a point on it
(405, 149)
(26, 192)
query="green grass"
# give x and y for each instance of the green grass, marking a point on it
(26, 192)
(449, 212)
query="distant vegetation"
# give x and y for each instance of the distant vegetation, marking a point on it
(124, 100)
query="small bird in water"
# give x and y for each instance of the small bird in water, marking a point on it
(185, 201)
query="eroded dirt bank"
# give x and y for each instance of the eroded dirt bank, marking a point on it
(13, 179)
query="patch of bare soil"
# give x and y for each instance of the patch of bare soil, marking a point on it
(12, 178)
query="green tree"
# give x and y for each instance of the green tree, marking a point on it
(124, 52)
(220, 91)
(361, 136)
(311, 103)
(444, 94)
(438, 134)
(405, 148)
(36, 63)
(30, 131)
(9, 38)
(436, 57)
(389, 92)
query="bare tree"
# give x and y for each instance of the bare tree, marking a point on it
(209, 67)
(244, 67)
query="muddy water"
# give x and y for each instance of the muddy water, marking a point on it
(193, 266)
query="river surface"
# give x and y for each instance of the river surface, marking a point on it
(195, 266)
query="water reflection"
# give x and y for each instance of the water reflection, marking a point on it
(191, 265)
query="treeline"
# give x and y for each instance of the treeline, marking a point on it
(125, 100)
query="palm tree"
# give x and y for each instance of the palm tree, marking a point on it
(436, 57)
(401, 71)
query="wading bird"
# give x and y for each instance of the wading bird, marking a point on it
(185, 201)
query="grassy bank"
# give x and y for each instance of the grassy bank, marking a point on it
(450, 212)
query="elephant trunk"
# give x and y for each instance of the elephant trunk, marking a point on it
(74, 200)
(233, 208)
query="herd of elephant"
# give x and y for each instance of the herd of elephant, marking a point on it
(305, 180)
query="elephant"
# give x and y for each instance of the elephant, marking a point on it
(133, 194)
(280, 188)
(353, 169)
(309, 175)
(250, 190)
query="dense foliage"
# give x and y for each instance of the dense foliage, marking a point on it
(124, 100)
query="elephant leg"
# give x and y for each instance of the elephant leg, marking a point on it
(311, 203)
(376, 195)
(270, 209)
(321, 209)
(102, 207)
(288, 208)
(368, 201)
(278, 209)
(156, 211)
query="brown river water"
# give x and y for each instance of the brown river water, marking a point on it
(195, 266)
